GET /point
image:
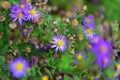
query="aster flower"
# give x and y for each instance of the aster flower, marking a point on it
(25, 31)
(32, 14)
(15, 8)
(89, 33)
(18, 67)
(102, 48)
(60, 43)
(88, 22)
(22, 7)
(103, 61)
(96, 40)
(18, 15)
(25, 6)
(79, 56)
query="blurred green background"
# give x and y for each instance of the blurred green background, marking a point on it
(106, 9)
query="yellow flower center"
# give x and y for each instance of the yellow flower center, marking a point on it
(60, 43)
(32, 12)
(118, 66)
(44, 78)
(20, 15)
(105, 61)
(103, 49)
(89, 31)
(25, 30)
(79, 56)
(19, 66)
(22, 6)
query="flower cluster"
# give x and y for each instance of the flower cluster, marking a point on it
(89, 25)
(100, 47)
(102, 50)
(23, 12)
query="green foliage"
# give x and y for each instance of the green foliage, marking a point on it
(65, 64)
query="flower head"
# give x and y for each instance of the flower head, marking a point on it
(102, 48)
(95, 40)
(60, 42)
(18, 67)
(32, 14)
(22, 7)
(88, 21)
(15, 8)
(18, 15)
(25, 31)
(79, 56)
(89, 33)
(25, 6)
(103, 61)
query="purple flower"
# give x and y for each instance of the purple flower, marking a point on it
(79, 56)
(25, 6)
(25, 31)
(15, 8)
(102, 48)
(18, 12)
(18, 67)
(89, 33)
(60, 43)
(32, 14)
(88, 22)
(18, 15)
(22, 7)
(103, 61)
(95, 40)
